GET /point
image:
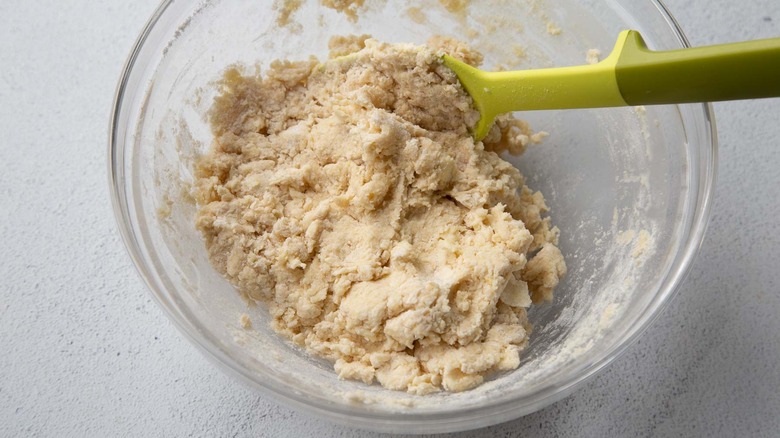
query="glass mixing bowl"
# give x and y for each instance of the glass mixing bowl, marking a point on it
(630, 189)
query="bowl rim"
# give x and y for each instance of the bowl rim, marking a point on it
(492, 412)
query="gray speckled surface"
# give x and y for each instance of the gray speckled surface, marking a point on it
(85, 352)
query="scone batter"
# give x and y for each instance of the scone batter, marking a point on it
(350, 198)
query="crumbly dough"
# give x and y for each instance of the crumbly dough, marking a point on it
(350, 198)
(347, 7)
(593, 56)
(286, 9)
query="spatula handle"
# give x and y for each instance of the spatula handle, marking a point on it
(745, 70)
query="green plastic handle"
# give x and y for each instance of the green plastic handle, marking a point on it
(631, 75)
(746, 70)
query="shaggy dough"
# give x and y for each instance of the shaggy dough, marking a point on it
(350, 198)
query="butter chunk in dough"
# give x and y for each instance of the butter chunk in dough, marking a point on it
(350, 198)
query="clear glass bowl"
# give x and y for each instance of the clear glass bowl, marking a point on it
(629, 188)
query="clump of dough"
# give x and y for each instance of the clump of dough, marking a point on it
(348, 7)
(350, 198)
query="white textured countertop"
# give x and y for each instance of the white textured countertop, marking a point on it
(85, 352)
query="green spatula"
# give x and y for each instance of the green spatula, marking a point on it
(631, 75)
